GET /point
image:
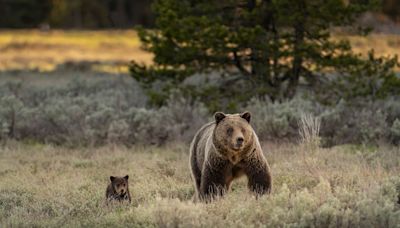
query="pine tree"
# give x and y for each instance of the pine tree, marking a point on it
(266, 47)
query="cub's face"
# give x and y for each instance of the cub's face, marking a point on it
(233, 134)
(120, 184)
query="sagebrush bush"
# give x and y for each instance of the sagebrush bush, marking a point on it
(95, 112)
(273, 120)
(395, 131)
(359, 121)
(104, 109)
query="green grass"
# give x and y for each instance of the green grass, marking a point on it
(42, 185)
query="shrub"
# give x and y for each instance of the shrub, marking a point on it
(395, 131)
(273, 120)
(356, 121)
(94, 112)
(99, 110)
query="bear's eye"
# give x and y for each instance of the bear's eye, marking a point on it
(243, 130)
(229, 131)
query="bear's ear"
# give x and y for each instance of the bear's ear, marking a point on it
(126, 177)
(246, 116)
(112, 178)
(219, 116)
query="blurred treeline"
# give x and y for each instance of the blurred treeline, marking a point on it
(81, 14)
(392, 9)
(94, 14)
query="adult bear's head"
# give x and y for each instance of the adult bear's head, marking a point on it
(233, 135)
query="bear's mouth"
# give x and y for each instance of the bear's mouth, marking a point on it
(237, 147)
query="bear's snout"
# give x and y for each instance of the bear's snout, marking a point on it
(238, 143)
(239, 140)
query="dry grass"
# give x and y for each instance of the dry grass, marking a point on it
(383, 44)
(309, 129)
(32, 49)
(51, 186)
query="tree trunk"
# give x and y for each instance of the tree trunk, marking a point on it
(297, 61)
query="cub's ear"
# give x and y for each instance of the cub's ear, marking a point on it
(246, 116)
(112, 178)
(126, 177)
(219, 116)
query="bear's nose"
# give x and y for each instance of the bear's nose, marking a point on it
(240, 140)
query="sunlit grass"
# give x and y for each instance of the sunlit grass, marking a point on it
(32, 49)
(89, 39)
(113, 49)
(383, 44)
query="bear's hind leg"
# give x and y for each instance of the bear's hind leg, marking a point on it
(196, 172)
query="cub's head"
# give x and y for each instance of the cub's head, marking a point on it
(233, 134)
(120, 184)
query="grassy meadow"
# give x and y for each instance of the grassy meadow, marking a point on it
(44, 185)
(346, 186)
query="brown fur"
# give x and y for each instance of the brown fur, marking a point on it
(118, 189)
(217, 157)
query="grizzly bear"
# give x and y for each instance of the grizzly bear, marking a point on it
(118, 189)
(224, 150)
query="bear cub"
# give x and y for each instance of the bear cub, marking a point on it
(118, 189)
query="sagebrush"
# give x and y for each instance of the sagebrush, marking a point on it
(83, 110)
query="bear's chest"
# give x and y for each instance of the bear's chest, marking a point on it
(120, 197)
(237, 171)
(233, 173)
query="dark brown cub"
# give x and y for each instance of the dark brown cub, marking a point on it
(118, 189)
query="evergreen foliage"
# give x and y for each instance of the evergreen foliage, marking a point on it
(262, 48)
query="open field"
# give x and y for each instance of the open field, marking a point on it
(345, 186)
(32, 49)
(113, 49)
(93, 115)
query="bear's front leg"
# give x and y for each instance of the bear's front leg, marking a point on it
(259, 176)
(213, 180)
